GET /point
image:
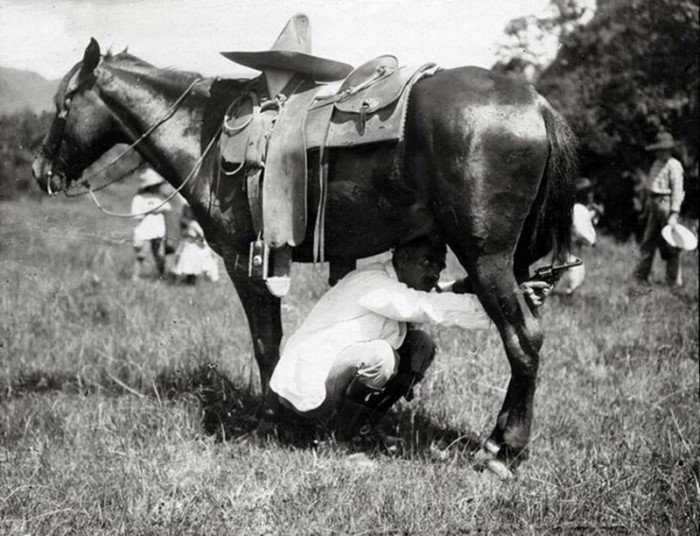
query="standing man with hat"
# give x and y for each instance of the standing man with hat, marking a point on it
(665, 195)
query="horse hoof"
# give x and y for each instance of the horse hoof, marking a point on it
(500, 469)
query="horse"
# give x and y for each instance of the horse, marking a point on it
(488, 164)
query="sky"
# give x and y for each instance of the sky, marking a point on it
(48, 37)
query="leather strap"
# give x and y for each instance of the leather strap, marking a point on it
(284, 184)
(254, 198)
(320, 227)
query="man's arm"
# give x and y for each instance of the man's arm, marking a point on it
(399, 302)
(677, 193)
(534, 291)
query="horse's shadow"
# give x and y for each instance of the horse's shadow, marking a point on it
(231, 411)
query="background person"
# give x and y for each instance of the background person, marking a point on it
(193, 257)
(356, 354)
(149, 208)
(585, 215)
(664, 197)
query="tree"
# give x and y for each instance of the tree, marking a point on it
(630, 72)
(529, 43)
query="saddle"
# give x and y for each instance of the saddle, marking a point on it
(269, 139)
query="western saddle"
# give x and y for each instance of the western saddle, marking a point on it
(266, 138)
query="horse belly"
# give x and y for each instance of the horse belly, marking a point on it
(369, 208)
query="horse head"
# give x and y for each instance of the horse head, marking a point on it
(82, 129)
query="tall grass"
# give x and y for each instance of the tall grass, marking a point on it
(108, 424)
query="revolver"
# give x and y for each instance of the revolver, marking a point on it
(551, 273)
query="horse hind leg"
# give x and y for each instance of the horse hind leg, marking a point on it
(522, 339)
(486, 204)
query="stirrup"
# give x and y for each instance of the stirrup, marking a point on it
(279, 282)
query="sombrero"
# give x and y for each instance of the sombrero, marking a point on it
(663, 140)
(148, 178)
(679, 237)
(292, 52)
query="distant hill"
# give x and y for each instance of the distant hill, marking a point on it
(21, 90)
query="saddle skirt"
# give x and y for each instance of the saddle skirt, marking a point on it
(270, 139)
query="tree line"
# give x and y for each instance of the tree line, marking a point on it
(619, 78)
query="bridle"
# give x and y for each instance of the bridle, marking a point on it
(58, 129)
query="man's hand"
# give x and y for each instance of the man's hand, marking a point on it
(673, 219)
(535, 292)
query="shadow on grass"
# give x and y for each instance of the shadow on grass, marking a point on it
(231, 411)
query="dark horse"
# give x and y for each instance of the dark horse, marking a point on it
(488, 164)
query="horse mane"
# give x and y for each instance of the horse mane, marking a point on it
(167, 77)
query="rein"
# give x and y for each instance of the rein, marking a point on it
(191, 174)
(60, 127)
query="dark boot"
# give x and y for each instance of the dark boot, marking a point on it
(399, 386)
(353, 409)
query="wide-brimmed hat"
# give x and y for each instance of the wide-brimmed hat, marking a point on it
(663, 140)
(679, 237)
(149, 178)
(292, 52)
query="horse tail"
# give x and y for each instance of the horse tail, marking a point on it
(550, 217)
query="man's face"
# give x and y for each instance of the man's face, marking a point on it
(419, 267)
(662, 154)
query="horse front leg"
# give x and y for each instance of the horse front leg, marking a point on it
(522, 338)
(263, 311)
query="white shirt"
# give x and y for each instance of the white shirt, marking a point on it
(666, 177)
(367, 304)
(152, 225)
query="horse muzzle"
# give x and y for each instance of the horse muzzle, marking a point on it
(49, 180)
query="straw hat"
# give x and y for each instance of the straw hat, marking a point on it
(679, 237)
(663, 140)
(292, 52)
(149, 178)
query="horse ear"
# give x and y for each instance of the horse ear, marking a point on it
(90, 59)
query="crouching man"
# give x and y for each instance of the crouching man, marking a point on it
(357, 353)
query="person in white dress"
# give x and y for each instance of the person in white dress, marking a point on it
(194, 257)
(149, 206)
(583, 235)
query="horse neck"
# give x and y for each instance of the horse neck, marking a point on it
(139, 97)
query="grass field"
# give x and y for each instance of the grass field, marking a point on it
(112, 422)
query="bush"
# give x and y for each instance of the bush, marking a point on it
(20, 136)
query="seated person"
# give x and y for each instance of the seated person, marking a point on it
(356, 354)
